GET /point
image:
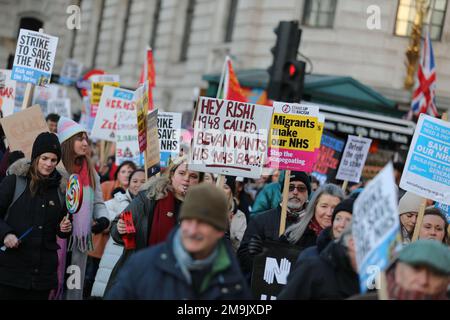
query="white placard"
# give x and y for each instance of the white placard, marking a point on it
(353, 158)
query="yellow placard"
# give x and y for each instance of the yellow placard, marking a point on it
(97, 88)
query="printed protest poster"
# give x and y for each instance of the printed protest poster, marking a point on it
(70, 72)
(35, 54)
(60, 106)
(353, 159)
(169, 131)
(293, 134)
(152, 150)
(141, 99)
(376, 227)
(127, 145)
(230, 137)
(97, 83)
(22, 128)
(42, 95)
(86, 120)
(271, 269)
(427, 167)
(7, 92)
(445, 209)
(328, 158)
(113, 100)
(20, 93)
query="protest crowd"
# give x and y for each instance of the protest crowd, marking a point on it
(119, 204)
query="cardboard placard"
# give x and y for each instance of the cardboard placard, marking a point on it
(7, 92)
(230, 137)
(22, 128)
(169, 131)
(353, 158)
(35, 54)
(376, 226)
(271, 269)
(152, 151)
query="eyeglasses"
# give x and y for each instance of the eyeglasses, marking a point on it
(299, 188)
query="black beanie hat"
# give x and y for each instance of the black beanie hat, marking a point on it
(231, 182)
(46, 142)
(345, 205)
(303, 177)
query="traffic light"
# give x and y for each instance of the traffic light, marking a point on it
(286, 73)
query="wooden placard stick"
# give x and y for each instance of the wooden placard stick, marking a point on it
(287, 181)
(419, 220)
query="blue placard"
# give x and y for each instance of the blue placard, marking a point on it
(36, 77)
(125, 95)
(445, 208)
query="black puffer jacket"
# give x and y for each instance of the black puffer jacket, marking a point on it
(33, 265)
(329, 276)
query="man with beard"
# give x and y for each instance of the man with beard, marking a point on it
(266, 225)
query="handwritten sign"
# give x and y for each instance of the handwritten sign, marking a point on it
(354, 158)
(7, 93)
(169, 127)
(230, 137)
(35, 54)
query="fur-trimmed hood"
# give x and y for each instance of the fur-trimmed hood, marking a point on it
(157, 187)
(21, 167)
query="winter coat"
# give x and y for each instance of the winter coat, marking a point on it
(267, 226)
(154, 273)
(324, 238)
(329, 276)
(237, 229)
(33, 265)
(142, 210)
(113, 251)
(269, 197)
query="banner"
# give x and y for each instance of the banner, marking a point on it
(230, 137)
(35, 54)
(376, 227)
(113, 100)
(293, 136)
(271, 269)
(22, 128)
(141, 99)
(127, 145)
(60, 106)
(7, 92)
(152, 151)
(70, 72)
(169, 129)
(328, 158)
(427, 168)
(353, 159)
(97, 83)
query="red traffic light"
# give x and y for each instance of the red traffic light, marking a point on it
(292, 70)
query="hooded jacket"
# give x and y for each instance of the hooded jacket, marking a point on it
(33, 265)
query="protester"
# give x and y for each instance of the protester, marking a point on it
(244, 199)
(267, 224)
(315, 184)
(332, 275)
(408, 208)
(113, 251)
(194, 263)
(52, 122)
(31, 199)
(342, 218)
(256, 187)
(120, 179)
(434, 225)
(75, 148)
(421, 272)
(269, 197)
(237, 219)
(398, 171)
(154, 210)
(13, 157)
(207, 177)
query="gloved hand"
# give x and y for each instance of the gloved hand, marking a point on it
(255, 245)
(100, 225)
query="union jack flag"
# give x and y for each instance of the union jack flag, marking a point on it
(424, 97)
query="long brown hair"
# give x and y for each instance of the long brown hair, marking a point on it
(70, 159)
(35, 177)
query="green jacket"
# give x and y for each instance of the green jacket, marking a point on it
(269, 197)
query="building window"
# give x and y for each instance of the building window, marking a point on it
(319, 13)
(155, 24)
(435, 20)
(97, 36)
(230, 21)
(187, 30)
(124, 31)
